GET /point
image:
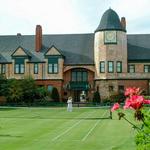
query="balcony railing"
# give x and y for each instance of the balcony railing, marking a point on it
(82, 85)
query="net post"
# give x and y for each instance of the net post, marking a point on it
(110, 112)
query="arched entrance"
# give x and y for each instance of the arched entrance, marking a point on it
(78, 81)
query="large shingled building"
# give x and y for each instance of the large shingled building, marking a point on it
(107, 60)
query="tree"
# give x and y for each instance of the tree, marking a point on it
(3, 85)
(96, 97)
(41, 92)
(28, 87)
(55, 95)
(14, 93)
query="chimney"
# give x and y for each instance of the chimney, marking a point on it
(18, 34)
(123, 22)
(38, 38)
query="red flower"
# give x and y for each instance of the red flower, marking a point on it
(132, 91)
(127, 103)
(146, 101)
(134, 102)
(115, 107)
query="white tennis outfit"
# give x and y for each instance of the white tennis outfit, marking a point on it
(69, 108)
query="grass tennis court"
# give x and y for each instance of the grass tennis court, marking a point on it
(57, 129)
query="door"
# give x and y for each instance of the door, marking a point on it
(77, 96)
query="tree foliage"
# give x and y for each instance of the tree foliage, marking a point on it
(3, 85)
(14, 92)
(28, 87)
(24, 90)
(41, 92)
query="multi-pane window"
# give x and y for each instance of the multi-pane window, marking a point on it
(119, 66)
(146, 68)
(102, 66)
(36, 68)
(3, 68)
(78, 75)
(84, 76)
(19, 66)
(73, 76)
(131, 68)
(52, 65)
(110, 66)
(55, 68)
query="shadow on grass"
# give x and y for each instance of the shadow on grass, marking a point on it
(7, 109)
(11, 136)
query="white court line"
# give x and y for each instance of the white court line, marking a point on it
(66, 131)
(70, 128)
(84, 138)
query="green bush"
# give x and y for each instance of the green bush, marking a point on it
(55, 95)
(41, 92)
(24, 91)
(106, 101)
(14, 91)
(147, 97)
(3, 85)
(96, 97)
(28, 87)
(143, 137)
(117, 97)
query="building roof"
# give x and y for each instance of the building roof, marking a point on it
(138, 47)
(110, 21)
(77, 48)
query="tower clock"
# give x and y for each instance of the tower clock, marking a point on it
(110, 37)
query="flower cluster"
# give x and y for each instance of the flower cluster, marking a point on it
(133, 101)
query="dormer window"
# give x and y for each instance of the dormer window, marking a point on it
(53, 55)
(52, 65)
(19, 67)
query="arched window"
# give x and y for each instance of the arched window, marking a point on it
(78, 75)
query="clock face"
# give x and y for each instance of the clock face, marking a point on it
(110, 37)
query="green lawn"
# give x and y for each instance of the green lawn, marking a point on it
(57, 129)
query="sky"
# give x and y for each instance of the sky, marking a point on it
(70, 16)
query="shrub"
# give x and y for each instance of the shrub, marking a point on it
(28, 87)
(143, 138)
(136, 102)
(106, 101)
(3, 85)
(117, 97)
(14, 93)
(96, 97)
(55, 95)
(41, 92)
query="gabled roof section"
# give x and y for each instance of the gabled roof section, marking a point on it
(21, 52)
(53, 51)
(77, 48)
(3, 59)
